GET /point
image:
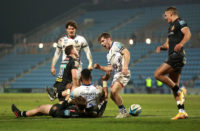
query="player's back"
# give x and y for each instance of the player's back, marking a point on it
(91, 93)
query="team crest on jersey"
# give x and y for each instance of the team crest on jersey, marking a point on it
(76, 41)
(54, 108)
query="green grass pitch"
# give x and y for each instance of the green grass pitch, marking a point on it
(156, 113)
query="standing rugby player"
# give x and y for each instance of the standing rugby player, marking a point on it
(178, 35)
(118, 59)
(79, 42)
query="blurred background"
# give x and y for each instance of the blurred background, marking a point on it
(30, 30)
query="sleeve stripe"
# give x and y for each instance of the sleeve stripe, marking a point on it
(84, 46)
(59, 47)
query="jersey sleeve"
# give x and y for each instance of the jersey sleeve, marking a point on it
(84, 43)
(182, 24)
(119, 47)
(59, 45)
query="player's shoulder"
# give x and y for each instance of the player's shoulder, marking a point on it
(80, 37)
(181, 22)
(62, 37)
(117, 44)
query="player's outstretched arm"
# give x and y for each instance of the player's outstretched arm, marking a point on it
(107, 68)
(89, 57)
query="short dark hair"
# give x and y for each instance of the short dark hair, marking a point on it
(105, 35)
(68, 49)
(71, 23)
(86, 74)
(173, 10)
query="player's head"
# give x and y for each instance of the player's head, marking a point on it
(170, 12)
(86, 75)
(80, 102)
(71, 28)
(71, 50)
(105, 40)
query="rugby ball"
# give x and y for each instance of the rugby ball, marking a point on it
(135, 109)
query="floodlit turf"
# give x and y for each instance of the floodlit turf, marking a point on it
(156, 113)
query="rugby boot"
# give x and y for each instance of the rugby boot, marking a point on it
(180, 116)
(122, 114)
(52, 93)
(16, 111)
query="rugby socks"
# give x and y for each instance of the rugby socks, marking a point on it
(23, 113)
(122, 109)
(175, 89)
(180, 107)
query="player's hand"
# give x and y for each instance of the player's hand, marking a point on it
(53, 71)
(125, 71)
(158, 49)
(96, 66)
(90, 67)
(178, 47)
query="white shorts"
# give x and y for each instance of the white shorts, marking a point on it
(123, 79)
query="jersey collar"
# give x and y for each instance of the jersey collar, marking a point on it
(70, 37)
(86, 84)
(111, 45)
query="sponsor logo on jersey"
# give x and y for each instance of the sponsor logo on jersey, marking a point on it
(182, 22)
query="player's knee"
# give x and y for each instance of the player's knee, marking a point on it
(156, 75)
(113, 93)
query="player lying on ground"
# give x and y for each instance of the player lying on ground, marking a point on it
(73, 108)
(68, 109)
(96, 96)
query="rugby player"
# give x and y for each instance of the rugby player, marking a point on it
(85, 101)
(118, 59)
(96, 96)
(68, 109)
(67, 77)
(79, 42)
(178, 35)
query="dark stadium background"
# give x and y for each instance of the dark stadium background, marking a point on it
(24, 24)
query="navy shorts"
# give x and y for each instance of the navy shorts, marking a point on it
(177, 60)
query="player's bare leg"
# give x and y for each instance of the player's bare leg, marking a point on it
(180, 97)
(115, 91)
(160, 74)
(43, 109)
(173, 82)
